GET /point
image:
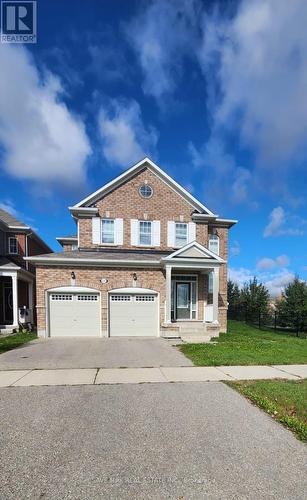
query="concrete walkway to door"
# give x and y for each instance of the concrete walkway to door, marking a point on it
(123, 352)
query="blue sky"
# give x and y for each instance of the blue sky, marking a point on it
(214, 92)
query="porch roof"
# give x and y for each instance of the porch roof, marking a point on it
(111, 257)
(8, 265)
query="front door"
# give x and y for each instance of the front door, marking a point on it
(183, 300)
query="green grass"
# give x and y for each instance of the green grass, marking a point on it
(246, 345)
(284, 400)
(13, 341)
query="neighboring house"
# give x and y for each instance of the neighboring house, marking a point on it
(148, 259)
(17, 277)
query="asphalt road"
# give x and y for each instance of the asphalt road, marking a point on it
(178, 441)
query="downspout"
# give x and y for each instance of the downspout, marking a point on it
(27, 263)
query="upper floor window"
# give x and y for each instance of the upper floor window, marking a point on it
(145, 233)
(146, 191)
(13, 245)
(181, 234)
(214, 243)
(107, 231)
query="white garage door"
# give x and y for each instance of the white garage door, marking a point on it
(74, 314)
(134, 315)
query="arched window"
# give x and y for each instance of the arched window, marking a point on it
(214, 243)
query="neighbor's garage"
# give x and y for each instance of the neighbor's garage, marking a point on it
(74, 314)
(133, 315)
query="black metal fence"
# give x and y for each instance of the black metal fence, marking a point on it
(270, 320)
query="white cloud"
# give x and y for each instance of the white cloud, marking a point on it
(235, 249)
(258, 59)
(42, 140)
(281, 224)
(275, 281)
(267, 263)
(9, 206)
(125, 139)
(226, 182)
(161, 35)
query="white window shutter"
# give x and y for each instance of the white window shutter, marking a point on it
(96, 230)
(118, 231)
(171, 233)
(191, 232)
(156, 233)
(134, 232)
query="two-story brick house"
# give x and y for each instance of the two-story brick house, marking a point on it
(148, 259)
(17, 277)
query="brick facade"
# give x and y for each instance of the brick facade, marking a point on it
(51, 277)
(125, 202)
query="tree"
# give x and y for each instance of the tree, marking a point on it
(233, 296)
(255, 301)
(292, 307)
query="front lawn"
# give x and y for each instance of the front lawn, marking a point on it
(285, 400)
(246, 345)
(12, 341)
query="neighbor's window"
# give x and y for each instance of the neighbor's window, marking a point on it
(13, 245)
(145, 233)
(214, 243)
(181, 234)
(107, 231)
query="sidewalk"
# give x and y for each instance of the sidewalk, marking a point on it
(90, 376)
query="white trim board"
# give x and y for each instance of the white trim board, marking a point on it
(146, 162)
(194, 244)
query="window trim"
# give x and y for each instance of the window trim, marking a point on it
(16, 240)
(214, 237)
(139, 233)
(101, 231)
(187, 237)
(145, 197)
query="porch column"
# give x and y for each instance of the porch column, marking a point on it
(216, 295)
(15, 299)
(168, 295)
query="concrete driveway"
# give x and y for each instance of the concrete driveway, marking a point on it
(93, 353)
(188, 440)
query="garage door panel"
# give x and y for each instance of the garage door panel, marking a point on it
(74, 316)
(133, 315)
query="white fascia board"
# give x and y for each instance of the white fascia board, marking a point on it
(6, 268)
(93, 262)
(192, 260)
(20, 228)
(197, 245)
(214, 220)
(203, 264)
(205, 216)
(69, 238)
(157, 170)
(83, 211)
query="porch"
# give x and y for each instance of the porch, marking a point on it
(16, 296)
(192, 276)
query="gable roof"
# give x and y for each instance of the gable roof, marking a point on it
(145, 163)
(10, 221)
(194, 250)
